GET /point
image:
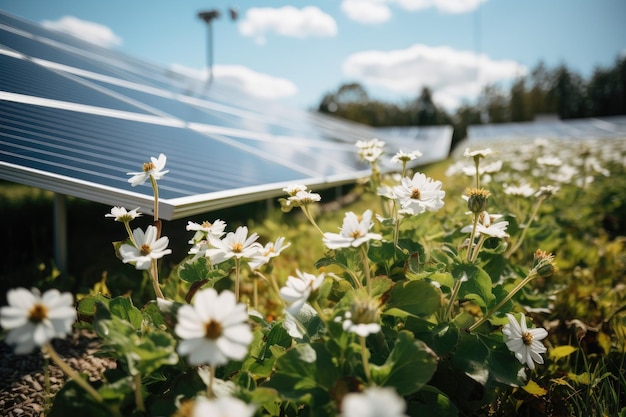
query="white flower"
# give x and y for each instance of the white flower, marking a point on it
(121, 215)
(34, 319)
(354, 232)
(304, 198)
(522, 190)
(294, 189)
(419, 194)
(205, 229)
(480, 153)
(148, 248)
(371, 150)
(269, 251)
(222, 407)
(363, 318)
(153, 168)
(487, 226)
(373, 402)
(237, 245)
(298, 289)
(402, 157)
(546, 191)
(214, 329)
(551, 161)
(525, 343)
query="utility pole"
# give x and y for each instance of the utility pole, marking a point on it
(208, 16)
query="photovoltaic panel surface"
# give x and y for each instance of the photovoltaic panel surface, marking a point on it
(76, 118)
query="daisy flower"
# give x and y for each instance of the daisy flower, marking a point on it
(150, 169)
(402, 157)
(214, 328)
(234, 245)
(205, 229)
(297, 290)
(488, 226)
(363, 318)
(269, 251)
(121, 215)
(419, 194)
(524, 343)
(373, 402)
(354, 232)
(33, 319)
(222, 407)
(147, 248)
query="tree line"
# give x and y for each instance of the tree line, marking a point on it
(558, 91)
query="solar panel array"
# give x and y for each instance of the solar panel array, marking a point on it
(571, 129)
(75, 118)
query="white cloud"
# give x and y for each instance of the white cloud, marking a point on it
(446, 6)
(244, 80)
(367, 11)
(378, 11)
(287, 21)
(89, 31)
(450, 74)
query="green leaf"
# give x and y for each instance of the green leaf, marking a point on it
(201, 269)
(123, 308)
(87, 305)
(433, 403)
(305, 372)
(409, 366)
(477, 286)
(418, 298)
(472, 358)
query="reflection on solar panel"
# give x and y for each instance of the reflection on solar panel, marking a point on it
(573, 129)
(75, 118)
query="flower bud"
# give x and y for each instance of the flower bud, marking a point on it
(544, 264)
(477, 199)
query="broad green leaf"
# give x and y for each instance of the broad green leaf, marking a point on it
(201, 269)
(123, 308)
(476, 286)
(87, 305)
(409, 366)
(472, 357)
(433, 403)
(418, 298)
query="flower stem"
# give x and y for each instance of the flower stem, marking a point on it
(209, 388)
(366, 364)
(453, 295)
(472, 236)
(154, 274)
(318, 309)
(273, 283)
(366, 268)
(138, 396)
(71, 373)
(478, 247)
(237, 264)
(532, 274)
(255, 294)
(130, 233)
(306, 212)
(155, 190)
(515, 247)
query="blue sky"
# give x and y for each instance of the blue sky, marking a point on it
(297, 51)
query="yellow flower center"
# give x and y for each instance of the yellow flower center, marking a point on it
(212, 330)
(415, 194)
(237, 247)
(206, 224)
(148, 166)
(527, 338)
(356, 234)
(145, 249)
(38, 313)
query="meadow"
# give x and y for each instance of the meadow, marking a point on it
(490, 284)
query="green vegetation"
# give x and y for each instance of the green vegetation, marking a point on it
(437, 297)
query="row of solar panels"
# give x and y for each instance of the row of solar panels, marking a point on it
(75, 118)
